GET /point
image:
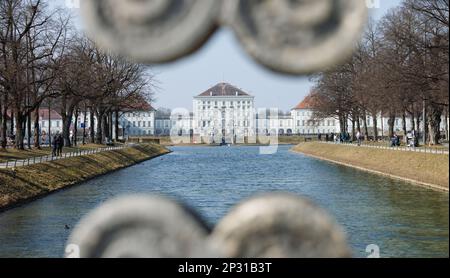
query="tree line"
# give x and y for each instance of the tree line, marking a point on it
(399, 70)
(45, 62)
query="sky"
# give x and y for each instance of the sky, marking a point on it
(222, 59)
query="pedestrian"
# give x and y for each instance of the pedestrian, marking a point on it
(358, 138)
(55, 145)
(397, 140)
(60, 144)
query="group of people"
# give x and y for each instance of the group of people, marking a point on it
(57, 144)
(339, 137)
(342, 138)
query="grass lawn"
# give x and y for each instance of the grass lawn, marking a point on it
(12, 154)
(422, 167)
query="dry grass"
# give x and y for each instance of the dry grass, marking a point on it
(12, 154)
(32, 181)
(426, 168)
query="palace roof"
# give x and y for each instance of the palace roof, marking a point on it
(223, 90)
(307, 103)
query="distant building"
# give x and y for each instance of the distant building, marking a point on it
(163, 122)
(223, 113)
(304, 122)
(138, 120)
(182, 123)
(54, 121)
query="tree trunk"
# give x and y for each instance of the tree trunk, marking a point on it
(405, 131)
(353, 129)
(49, 125)
(75, 128)
(366, 128)
(19, 118)
(375, 126)
(37, 130)
(4, 124)
(391, 124)
(11, 124)
(425, 123)
(105, 130)
(84, 124)
(66, 115)
(116, 125)
(92, 125)
(413, 122)
(111, 125)
(29, 130)
(358, 124)
(100, 124)
(418, 122)
(434, 117)
(446, 124)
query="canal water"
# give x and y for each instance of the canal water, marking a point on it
(402, 219)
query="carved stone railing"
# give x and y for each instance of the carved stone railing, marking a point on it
(268, 226)
(288, 36)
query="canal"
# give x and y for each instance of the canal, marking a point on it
(402, 219)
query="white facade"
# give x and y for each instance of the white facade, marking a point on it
(138, 123)
(223, 113)
(304, 123)
(274, 123)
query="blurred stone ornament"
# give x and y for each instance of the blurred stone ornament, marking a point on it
(288, 36)
(279, 226)
(276, 225)
(297, 36)
(140, 227)
(150, 31)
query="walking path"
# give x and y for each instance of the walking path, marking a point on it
(402, 149)
(41, 159)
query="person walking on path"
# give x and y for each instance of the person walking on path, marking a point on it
(60, 144)
(358, 138)
(55, 145)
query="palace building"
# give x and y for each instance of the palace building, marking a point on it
(304, 122)
(223, 114)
